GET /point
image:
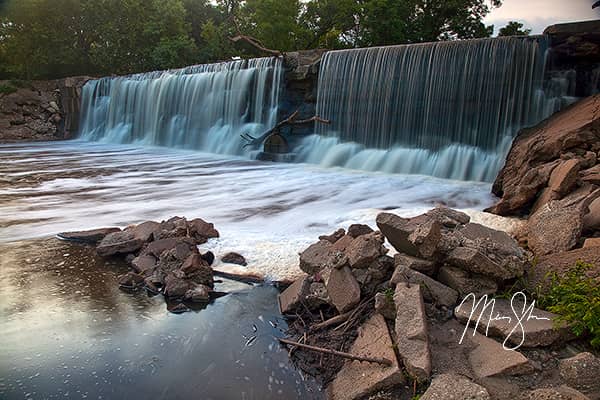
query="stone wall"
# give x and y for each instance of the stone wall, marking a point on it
(40, 110)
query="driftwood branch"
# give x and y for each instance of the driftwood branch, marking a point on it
(331, 321)
(255, 43)
(383, 361)
(291, 120)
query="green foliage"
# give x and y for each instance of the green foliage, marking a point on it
(7, 89)
(514, 28)
(576, 298)
(42, 39)
(389, 294)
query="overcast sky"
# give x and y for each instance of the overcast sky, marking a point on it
(538, 14)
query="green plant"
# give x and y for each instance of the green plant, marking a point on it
(18, 83)
(575, 297)
(389, 294)
(7, 89)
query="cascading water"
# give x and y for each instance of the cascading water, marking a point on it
(448, 109)
(204, 107)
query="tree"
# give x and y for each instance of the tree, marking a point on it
(514, 28)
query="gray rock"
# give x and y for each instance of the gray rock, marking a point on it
(454, 387)
(465, 283)
(397, 230)
(433, 291)
(414, 263)
(418, 237)
(426, 238)
(91, 237)
(320, 256)
(448, 217)
(358, 379)
(535, 332)
(472, 260)
(582, 372)
(118, 243)
(411, 331)
(490, 359)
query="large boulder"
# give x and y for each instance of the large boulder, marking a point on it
(358, 379)
(418, 237)
(321, 255)
(454, 387)
(144, 231)
(365, 249)
(537, 152)
(201, 230)
(118, 243)
(490, 359)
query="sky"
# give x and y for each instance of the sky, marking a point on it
(538, 14)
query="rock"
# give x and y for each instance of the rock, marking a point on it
(591, 220)
(448, 217)
(564, 219)
(175, 287)
(334, 237)
(196, 269)
(416, 264)
(377, 275)
(433, 291)
(143, 263)
(365, 249)
(474, 261)
(234, 258)
(490, 240)
(91, 237)
(538, 277)
(358, 379)
(591, 242)
(118, 243)
(490, 359)
(411, 331)
(564, 177)
(356, 230)
(130, 280)
(209, 257)
(317, 296)
(559, 393)
(175, 227)
(537, 151)
(178, 308)
(581, 372)
(201, 230)
(343, 289)
(320, 256)
(144, 231)
(591, 175)
(454, 387)
(464, 282)
(530, 332)
(342, 244)
(155, 280)
(291, 298)
(198, 294)
(419, 236)
(158, 247)
(384, 305)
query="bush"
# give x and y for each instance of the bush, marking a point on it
(576, 299)
(7, 89)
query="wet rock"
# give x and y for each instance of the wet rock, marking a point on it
(198, 294)
(155, 279)
(209, 257)
(358, 379)
(559, 393)
(384, 305)
(178, 308)
(356, 230)
(130, 280)
(196, 269)
(156, 248)
(145, 230)
(175, 286)
(490, 359)
(545, 330)
(416, 264)
(581, 372)
(291, 298)
(365, 249)
(91, 237)
(143, 263)
(433, 291)
(464, 282)
(454, 387)
(234, 258)
(118, 243)
(173, 228)
(321, 255)
(343, 289)
(201, 230)
(411, 331)
(334, 237)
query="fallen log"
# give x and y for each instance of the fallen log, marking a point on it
(255, 43)
(383, 361)
(338, 319)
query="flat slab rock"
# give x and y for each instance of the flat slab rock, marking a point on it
(454, 387)
(490, 359)
(433, 290)
(359, 379)
(500, 320)
(91, 237)
(558, 393)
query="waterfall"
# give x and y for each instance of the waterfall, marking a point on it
(447, 109)
(203, 107)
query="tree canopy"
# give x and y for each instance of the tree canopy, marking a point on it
(42, 39)
(514, 28)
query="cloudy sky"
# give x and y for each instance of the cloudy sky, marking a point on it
(538, 14)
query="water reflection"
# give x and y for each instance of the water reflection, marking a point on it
(67, 331)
